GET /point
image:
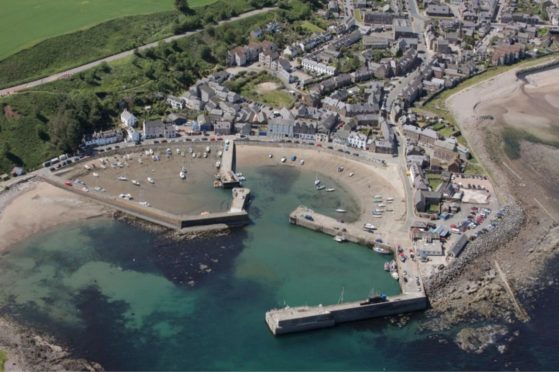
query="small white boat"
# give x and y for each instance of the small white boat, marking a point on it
(218, 164)
(316, 181)
(377, 215)
(340, 210)
(381, 205)
(351, 174)
(94, 174)
(88, 167)
(302, 162)
(85, 189)
(242, 178)
(182, 175)
(369, 227)
(140, 161)
(194, 155)
(283, 160)
(395, 275)
(208, 149)
(270, 156)
(135, 182)
(390, 199)
(330, 189)
(377, 196)
(99, 189)
(151, 180)
(145, 204)
(190, 150)
(219, 153)
(122, 178)
(339, 238)
(177, 151)
(205, 155)
(380, 250)
(320, 187)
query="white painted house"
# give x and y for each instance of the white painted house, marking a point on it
(357, 140)
(128, 119)
(317, 67)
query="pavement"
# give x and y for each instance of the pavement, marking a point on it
(116, 57)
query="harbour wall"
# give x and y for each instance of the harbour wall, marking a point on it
(156, 216)
(522, 73)
(300, 319)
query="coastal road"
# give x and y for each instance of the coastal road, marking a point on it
(116, 57)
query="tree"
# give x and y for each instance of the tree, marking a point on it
(65, 130)
(182, 6)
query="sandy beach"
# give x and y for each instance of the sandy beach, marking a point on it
(37, 206)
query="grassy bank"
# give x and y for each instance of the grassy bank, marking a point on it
(51, 119)
(248, 85)
(111, 37)
(3, 359)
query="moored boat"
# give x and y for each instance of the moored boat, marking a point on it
(283, 160)
(136, 183)
(151, 180)
(395, 275)
(340, 238)
(330, 189)
(320, 187)
(340, 210)
(218, 164)
(316, 181)
(122, 178)
(369, 227)
(380, 250)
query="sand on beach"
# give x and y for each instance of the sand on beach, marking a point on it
(368, 180)
(487, 113)
(40, 207)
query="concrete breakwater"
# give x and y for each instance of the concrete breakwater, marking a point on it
(521, 74)
(235, 217)
(305, 318)
(305, 217)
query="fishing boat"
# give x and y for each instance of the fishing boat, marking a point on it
(122, 178)
(330, 189)
(320, 187)
(340, 210)
(340, 238)
(380, 250)
(95, 174)
(151, 180)
(316, 181)
(136, 183)
(369, 227)
(218, 164)
(283, 160)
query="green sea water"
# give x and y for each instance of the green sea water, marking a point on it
(132, 300)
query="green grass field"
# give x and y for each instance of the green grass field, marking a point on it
(3, 358)
(24, 23)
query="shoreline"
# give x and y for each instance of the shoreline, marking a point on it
(529, 238)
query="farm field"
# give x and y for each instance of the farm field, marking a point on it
(24, 23)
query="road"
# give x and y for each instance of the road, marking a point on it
(116, 57)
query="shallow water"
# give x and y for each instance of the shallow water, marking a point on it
(123, 297)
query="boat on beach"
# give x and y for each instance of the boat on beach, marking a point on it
(136, 183)
(145, 204)
(218, 164)
(182, 175)
(330, 189)
(270, 156)
(283, 160)
(208, 150)
(351, 174)
(340, 210)
(94, 174)
(151, 180)
(369, 227)
(122, 178)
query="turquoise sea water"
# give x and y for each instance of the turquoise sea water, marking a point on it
(133, 300)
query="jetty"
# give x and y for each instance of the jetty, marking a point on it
(304, 318)
(226, 176)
